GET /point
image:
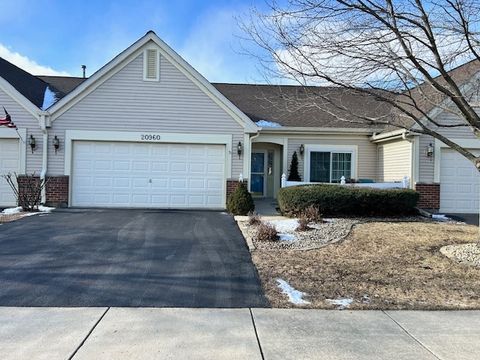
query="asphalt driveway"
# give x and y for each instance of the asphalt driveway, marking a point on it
(134, 258)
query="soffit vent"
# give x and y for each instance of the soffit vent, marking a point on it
(151, 64)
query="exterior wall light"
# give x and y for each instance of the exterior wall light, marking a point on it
(32, 142)
(430, 150)
(302, 149)
(239, 149)
(56, 143)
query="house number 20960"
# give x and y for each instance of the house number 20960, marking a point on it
(150, 137)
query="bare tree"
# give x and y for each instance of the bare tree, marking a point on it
(27, 191)
(402, 53)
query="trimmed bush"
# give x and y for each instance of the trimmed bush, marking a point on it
(346, 200)
(312, 214)
(303, 224)
(253, 218)
(240, 201)
(266, 232)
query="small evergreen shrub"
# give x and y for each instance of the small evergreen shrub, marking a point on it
(240, 201)
(346, 201)
(293, 174)
(266, 232)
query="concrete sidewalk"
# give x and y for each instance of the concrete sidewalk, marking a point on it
(167, 333)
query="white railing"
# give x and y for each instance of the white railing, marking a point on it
(404, 184)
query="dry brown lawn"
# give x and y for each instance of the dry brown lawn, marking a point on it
(397, 265)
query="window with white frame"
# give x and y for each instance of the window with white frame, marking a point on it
(151, 65)
(330, 165)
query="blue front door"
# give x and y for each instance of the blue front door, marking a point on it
(257, 174)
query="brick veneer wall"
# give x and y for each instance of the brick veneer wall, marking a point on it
(56, 189)
(232, 185)
(429, 195)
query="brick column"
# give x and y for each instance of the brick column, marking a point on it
(57, 191)
(232, 185)
(429, 195)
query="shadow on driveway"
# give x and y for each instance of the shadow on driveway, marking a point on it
(471, 219)
(127, 258)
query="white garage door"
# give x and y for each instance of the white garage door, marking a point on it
(123, 174)
(459, 184)
(9, 162)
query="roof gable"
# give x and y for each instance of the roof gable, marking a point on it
(121, 60)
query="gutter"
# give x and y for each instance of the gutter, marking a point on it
(393, 135)
(316, 130)
(43, 173)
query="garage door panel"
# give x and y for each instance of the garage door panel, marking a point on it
(459, 183)
(158, 166)
(9, 163)
(176, 166)
(148, 175)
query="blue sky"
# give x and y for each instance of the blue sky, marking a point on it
(53, 36)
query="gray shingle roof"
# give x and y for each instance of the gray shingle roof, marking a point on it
(62, 85)
(303, 106)
(28, 85)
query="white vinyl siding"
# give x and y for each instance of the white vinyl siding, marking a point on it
(366, 166)
(127, 103)
(427, 164)
(128, 174)
(394, 160)
(24, 119)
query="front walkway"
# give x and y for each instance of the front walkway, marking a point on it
(170, 333)
(266, 206)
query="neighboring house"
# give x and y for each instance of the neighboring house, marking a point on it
(147, 130)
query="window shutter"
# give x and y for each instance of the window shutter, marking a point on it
(151, 67)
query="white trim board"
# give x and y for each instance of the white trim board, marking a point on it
(19, 98)
(115, 136)
(465, 143)
(21, 135)
(329, 148)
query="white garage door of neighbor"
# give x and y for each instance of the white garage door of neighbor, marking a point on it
(124, 174)
(459, 184)
(9, 163)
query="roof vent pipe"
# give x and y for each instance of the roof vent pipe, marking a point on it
(84, 69)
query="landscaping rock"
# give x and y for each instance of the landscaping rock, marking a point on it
(320, 235)
(468, 254)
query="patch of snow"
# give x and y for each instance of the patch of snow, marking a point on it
(287, 237)
(440, 217)
(267, 124)
(284, 226)
(340, 303)
(19, 209)
(294, 296)
(12, 211)
(49, 98)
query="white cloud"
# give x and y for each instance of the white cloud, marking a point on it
(27, 64)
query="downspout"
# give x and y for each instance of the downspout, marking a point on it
(412, 157)
(43, 173)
